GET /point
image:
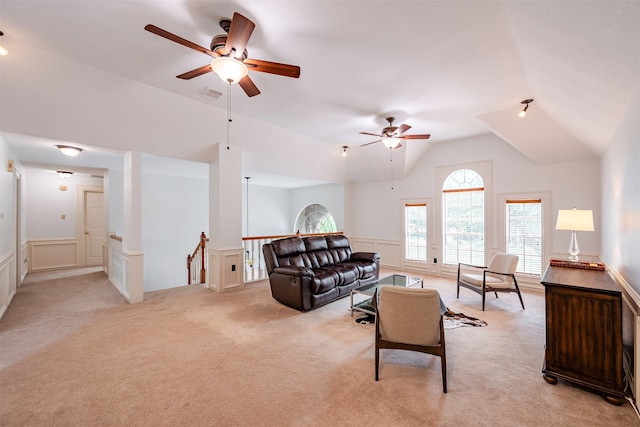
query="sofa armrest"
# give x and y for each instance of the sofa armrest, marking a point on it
(365, 256)
(294, 271)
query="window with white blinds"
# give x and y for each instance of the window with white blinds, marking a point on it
(523, 220)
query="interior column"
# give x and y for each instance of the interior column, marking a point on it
(225, 251)
(132, 240)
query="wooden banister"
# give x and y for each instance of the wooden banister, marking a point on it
(198, 261)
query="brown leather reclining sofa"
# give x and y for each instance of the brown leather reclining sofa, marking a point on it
(307, 272)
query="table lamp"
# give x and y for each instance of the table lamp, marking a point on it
(574, 220)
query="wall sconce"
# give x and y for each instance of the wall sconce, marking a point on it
(574, 220)
(526, 103)
(64, 174)
(68, 150)
(344, 150)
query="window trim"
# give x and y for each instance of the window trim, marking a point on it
(430, 231)
(485, 170)
(545, 198)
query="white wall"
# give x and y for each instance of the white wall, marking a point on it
(116, 201)
(269, 210)
(376, 208)
(175, 210)
(273, 211)
(621, 199)
(45, 204)
(7, 200)
(331, 196)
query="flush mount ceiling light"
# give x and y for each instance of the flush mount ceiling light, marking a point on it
(64, 174)
(229, 69)
(526, 103)
(68, 150)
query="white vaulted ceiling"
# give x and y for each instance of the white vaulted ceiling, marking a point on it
(87, 72)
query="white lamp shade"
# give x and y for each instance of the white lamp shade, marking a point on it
(575, 220)
(229, 69)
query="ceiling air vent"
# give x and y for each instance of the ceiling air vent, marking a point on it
(211, 93)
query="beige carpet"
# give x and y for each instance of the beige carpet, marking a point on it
(73, 352)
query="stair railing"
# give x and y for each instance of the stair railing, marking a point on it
(254, 266)
(196, 262)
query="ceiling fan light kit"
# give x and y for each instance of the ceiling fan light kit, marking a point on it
(392, 142)
(230, 70)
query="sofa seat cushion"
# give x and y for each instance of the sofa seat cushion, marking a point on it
(366, 270)
(348, 273)
(476, 280)
(324, 280)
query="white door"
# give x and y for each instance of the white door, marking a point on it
(93, 223)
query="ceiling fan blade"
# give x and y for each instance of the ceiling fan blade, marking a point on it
(424, 136)
(273, 68)
(369, 143)
(402, 129)
(195, 73)
(248, 86)
(239, 34)
(372, 134)
(169, 36)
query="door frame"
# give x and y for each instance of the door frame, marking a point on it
(20, 265)
(80, 214)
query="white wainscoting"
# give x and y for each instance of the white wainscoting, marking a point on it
(117, 266)
(390, 250)
(7, 280)
(631, 299)
(52, 254)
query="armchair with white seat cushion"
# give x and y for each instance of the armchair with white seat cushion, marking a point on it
(498, 276)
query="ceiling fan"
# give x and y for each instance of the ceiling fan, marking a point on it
(230, 58)
(392, 136)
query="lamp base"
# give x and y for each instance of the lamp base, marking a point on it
(574, 249)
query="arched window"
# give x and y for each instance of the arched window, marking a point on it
(315, 218)
(463, 215)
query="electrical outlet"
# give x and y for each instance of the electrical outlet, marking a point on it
(233, 267)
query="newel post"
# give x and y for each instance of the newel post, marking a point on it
(203, 270)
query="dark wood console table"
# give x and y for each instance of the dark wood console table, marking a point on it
(584, 330)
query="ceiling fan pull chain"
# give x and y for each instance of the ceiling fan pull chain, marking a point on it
(228, 111)
(391, 163)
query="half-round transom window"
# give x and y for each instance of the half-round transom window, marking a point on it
(315, 219)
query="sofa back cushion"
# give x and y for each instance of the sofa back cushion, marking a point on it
(290, 251)
(317, 251)
(311, 251)
(339, 248)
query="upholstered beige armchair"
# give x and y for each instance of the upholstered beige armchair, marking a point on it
(410, 319)
(498, 276)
